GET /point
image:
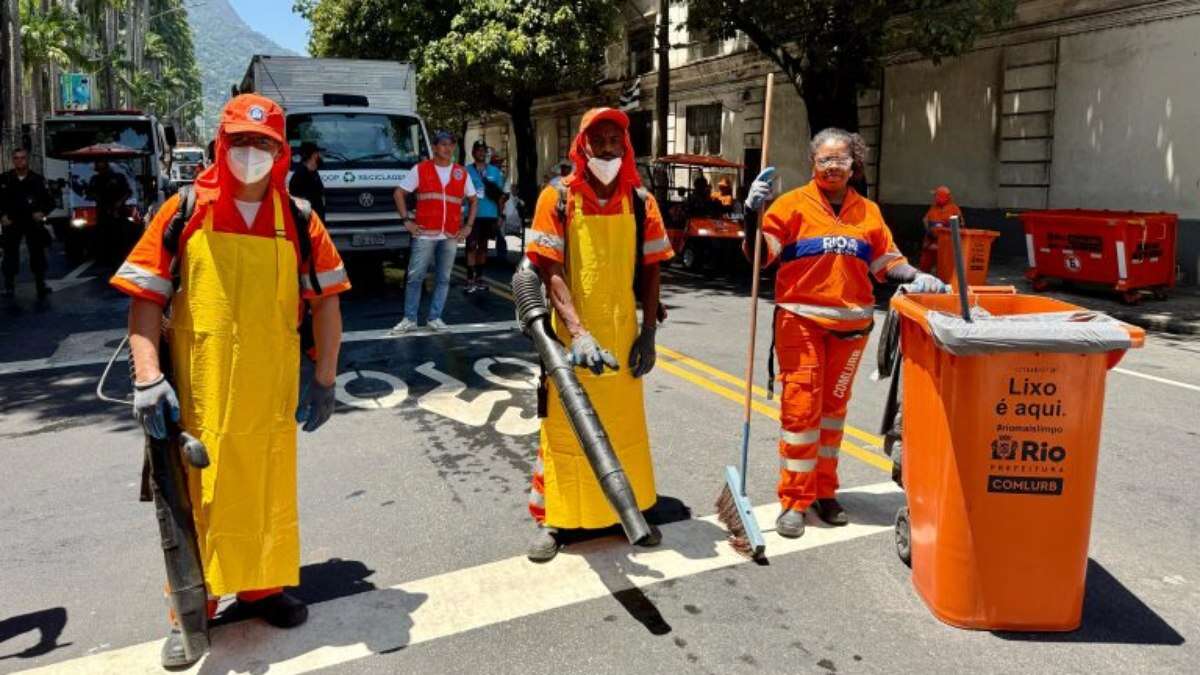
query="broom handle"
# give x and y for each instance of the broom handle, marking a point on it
(758, 241)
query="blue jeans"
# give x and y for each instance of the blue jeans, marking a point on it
(424, 251)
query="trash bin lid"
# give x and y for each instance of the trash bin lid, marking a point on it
(1071, 332)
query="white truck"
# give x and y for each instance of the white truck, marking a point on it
(362, 114)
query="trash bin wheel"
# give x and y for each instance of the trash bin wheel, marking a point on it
(1040, 284)
(690, 258)
(1131, 297)
(1160, 293)
(903, 536)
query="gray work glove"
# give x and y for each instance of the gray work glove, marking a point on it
(316, 406)
(926, 283)
(642, 355)
(760, 189)
(150, 401)
(587, 353)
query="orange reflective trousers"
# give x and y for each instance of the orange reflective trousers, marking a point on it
(817, 370)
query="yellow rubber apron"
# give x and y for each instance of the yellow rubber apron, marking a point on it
(235, 349)
(600, 271)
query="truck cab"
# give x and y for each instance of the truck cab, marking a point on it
(365, 153)
(362, 114)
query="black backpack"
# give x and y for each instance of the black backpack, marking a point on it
(301, 215)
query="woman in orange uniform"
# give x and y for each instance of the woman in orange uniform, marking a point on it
(938, 215)
(830, 242)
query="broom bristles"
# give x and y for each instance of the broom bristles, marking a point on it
(729, 516)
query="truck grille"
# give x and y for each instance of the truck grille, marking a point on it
(366, 200)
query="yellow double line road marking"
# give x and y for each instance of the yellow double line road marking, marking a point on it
(707, 377)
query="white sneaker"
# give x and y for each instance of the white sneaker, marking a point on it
(436, 324)
(404, 326)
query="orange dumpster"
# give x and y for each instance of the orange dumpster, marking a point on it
(1001, 435)
(977, 254)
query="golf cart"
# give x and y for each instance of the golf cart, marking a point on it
(82, 234)
(703, 223)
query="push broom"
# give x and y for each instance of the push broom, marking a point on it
(733, 506)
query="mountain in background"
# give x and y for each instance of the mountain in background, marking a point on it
(224, 45)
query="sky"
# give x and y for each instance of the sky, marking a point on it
(275, 19)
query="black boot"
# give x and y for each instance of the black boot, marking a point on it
(280, 610)
(830, 511)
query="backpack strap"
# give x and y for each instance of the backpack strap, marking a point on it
(302, 216)
(175, 228)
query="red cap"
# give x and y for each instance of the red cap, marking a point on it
(251, 113)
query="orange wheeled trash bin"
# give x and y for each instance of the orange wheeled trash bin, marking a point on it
(977, 254)
(1127, 251)
(1000, 438)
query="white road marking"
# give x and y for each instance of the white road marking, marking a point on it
(388, 619)
(89, 349)
(72, 278)
(1155, 378)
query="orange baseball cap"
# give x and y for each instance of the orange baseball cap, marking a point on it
(251, 113)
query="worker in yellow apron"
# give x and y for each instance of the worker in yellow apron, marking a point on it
(244, 265)
(586, 248)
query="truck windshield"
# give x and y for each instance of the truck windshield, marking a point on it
(68, 135)
(189, 156)
(359, 140)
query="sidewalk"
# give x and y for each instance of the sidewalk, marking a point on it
(1179, 314)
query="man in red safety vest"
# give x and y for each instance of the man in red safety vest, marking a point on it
(441, 186)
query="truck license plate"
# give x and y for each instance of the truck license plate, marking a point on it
(360, 240)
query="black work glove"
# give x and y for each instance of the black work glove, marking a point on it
(642, 355)
(152, 401)
(587, 353)
(316, 406)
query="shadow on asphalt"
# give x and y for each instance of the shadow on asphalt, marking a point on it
(49, 624)
(614, 566)
(381, 622)
(1112, 614)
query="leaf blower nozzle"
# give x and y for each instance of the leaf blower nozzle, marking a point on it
(534, 317)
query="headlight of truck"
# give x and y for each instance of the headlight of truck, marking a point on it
(79, 223)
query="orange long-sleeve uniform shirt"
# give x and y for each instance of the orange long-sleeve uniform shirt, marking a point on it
(827, 259)
(146, 273)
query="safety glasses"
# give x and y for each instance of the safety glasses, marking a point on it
(833, 162)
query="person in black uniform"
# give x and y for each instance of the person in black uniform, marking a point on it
(306, 181)
(110, 190)
(24, 202)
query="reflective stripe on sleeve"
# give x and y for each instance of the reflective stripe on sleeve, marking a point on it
(145, 279)
(882, 261)
(800, 437)
(657, 246)
(799, 465)
(773, 244)
(822, 312)
(549, 241)
(327, 279)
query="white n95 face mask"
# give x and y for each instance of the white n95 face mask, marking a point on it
(605, 170)
(249, 164)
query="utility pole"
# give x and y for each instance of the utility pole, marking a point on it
(662, 94)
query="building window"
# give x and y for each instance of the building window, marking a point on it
(641, 48)
(704, 129)
(703, 46)
(641, 125)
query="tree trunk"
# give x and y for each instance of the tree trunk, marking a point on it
(526, 140)
(11, 104)
(831, 101)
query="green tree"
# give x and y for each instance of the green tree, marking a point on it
(829, 49)
(48, 38)
(477, 56)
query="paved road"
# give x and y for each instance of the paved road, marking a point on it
(414, 524)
